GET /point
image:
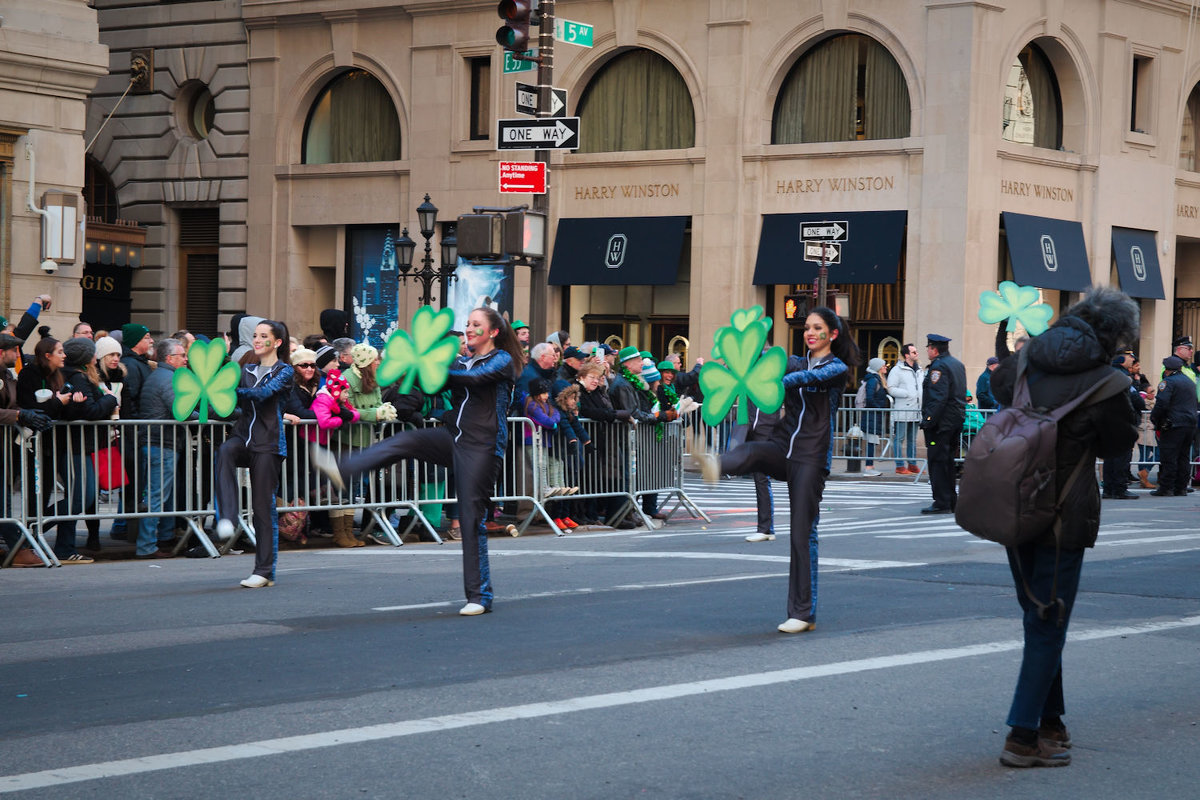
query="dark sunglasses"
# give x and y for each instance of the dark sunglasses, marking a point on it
(306, 366)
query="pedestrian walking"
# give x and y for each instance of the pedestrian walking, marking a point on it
(472, 440)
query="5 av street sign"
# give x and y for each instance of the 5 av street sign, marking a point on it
(838, 231)
(569, 32)
(527, 100)
(538, 134)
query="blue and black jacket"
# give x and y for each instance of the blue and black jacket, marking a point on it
(481, 391)
(262, 396)
(811, 392)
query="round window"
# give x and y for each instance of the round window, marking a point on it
(196, 110)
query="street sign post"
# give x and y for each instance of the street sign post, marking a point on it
(829, 252)
(527, 100)
(517, 65)
(522, 177)
(837, 231)
(578, 33)
(538, 134)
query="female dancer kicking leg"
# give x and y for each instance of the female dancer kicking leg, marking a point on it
(472, 440)
(800, 451)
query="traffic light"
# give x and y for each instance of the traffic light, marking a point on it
(525, 234)
(480, 236)
(795, 308)
(517, 15)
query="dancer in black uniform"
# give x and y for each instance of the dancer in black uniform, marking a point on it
(472, 441)
(800, 451)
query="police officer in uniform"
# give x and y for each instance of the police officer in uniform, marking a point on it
(943, 409)
(1174, 417)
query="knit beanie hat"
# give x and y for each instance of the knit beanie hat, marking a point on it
(363, 355)
(106, 345)
(875, 364)
(324, 356)
(303, 356)
(132, 333)
(335, 383)
(79, 352)
(650, 374)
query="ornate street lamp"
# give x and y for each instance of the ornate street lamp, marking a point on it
(426, 275)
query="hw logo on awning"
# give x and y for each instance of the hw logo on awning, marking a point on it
(1049, 257)
(1139, 262)
(614, 255)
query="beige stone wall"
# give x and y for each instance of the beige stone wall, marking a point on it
(50, 58)
(733, 55)
(156, 163)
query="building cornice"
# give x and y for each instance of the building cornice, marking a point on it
(50, 66)
(259, 12)
(1048, 158)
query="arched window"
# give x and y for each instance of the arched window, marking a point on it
(1032, 103)
(1190, 131)
(845, 88)
(638, 101)
(352, 120)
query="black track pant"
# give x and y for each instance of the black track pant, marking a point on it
(942, 451)
(805, 483)
(474, 479)
(1174, 471)
(264, 486)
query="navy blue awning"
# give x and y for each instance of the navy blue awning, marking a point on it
(869, 253)
(617, 251)
(1047, 253)
(1136, 254)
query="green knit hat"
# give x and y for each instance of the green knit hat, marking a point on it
(666, 365)
(627, 353)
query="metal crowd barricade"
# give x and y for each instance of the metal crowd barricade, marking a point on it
(656, 466)
(17, 463)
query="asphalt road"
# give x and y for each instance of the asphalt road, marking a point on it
(616, 664)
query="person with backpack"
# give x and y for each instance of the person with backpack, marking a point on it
(874, 402)
(1070, 359)
(943, 409)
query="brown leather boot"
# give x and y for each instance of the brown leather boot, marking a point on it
(1144, 477)
(343, 531)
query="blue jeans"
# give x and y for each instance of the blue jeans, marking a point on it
(160, 488)
(905, 442)
(1039, 691)
(78, 477)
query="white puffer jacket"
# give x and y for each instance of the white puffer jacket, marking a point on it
(904, 385)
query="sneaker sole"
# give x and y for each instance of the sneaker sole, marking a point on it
(1013, 760)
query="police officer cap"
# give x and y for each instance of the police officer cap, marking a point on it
(1173, 362)
(1182, 341)
(937, 338)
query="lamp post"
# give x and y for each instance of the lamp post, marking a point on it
(426, 275)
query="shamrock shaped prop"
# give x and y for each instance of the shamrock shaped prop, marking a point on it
(424, 356)
(207, 381)
(748, 373)
(1015, 304)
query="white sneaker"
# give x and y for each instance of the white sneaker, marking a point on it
(472, 610)
(761, 537)
(257, 582)
(324, 462)
(224, 530)
(796, 626)
(871, 473)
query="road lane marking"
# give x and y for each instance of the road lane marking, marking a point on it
(394, 730)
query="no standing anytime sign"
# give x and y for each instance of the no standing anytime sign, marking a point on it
(522, 177)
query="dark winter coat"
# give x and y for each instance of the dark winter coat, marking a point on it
(1062, 363)
(811, 392)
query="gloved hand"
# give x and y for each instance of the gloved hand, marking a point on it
(346, 413)
(624, 414)
(670, 415)
(573, 446)
(589, 448)
(36, 421)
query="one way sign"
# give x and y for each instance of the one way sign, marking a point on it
(825, 231)
(538, 134)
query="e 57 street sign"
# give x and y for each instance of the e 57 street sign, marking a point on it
(527, 100)
(538, 134)
(837, 231)
(516, 65)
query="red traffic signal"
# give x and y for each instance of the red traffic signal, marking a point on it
(517, 14)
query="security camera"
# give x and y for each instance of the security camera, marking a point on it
(50, 266)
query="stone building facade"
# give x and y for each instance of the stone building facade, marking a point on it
(50, 59)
